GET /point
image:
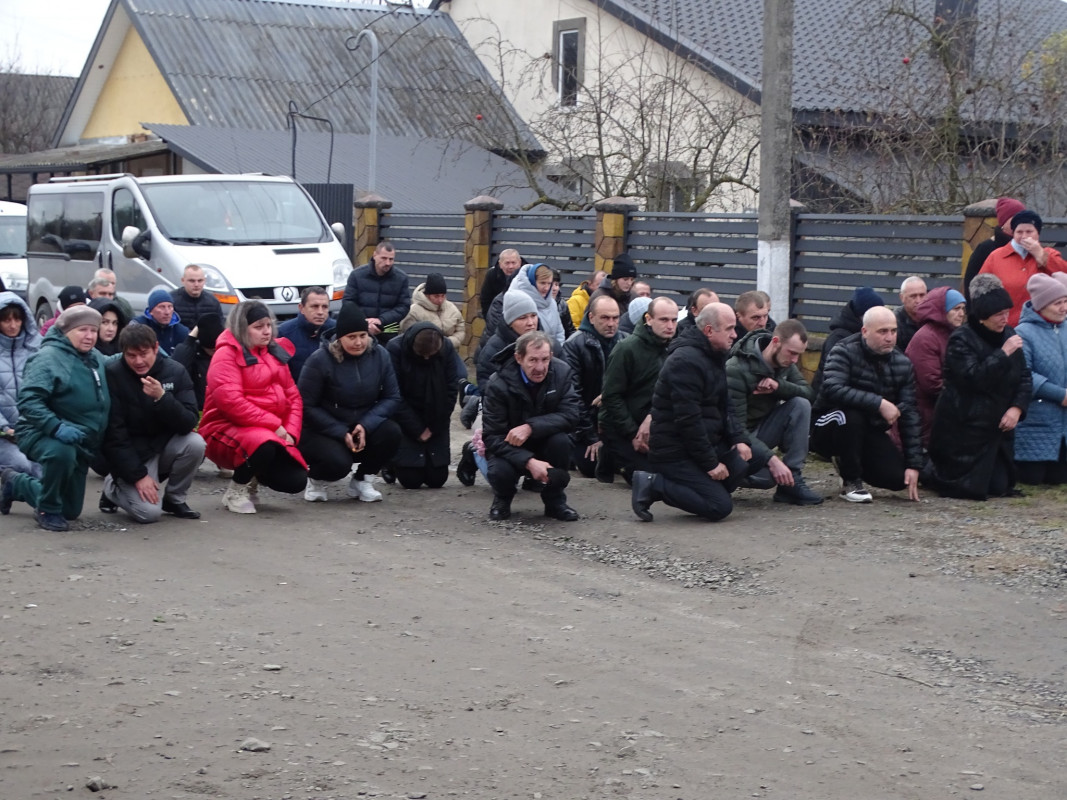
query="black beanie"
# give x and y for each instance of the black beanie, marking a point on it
(435, 284)
(255, 312)
(986, 305)
(208, 328)
(350, 319)
(623, 267)
(1026, 217)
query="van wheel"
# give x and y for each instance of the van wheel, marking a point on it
(44, 313)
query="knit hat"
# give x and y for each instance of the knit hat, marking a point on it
(864, 299)
(435, 284)
(208, 328)
(1026, 217)
(350, 319)
(992, 302)
(953, 299)
(517, 304)
(1007, 207)
(78, 315)
(638, 307)
(156, 297)
(623, 267)
(71, 296)
(255, 312)
(1044, 289)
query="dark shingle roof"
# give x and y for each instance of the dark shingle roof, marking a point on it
(846, 56)
(78, 158)
(238, 63)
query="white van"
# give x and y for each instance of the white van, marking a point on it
(255, 236)
(13, 247)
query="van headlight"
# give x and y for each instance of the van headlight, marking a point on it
(214, 280)
(341, 268)
(14, 281)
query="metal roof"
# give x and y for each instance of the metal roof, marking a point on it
(419, 174)
(79, 158)
(239, 63)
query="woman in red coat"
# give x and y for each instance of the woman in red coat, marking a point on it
(252, 408)
(941, 312)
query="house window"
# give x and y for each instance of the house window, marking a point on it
(568, 59)
(671, 186)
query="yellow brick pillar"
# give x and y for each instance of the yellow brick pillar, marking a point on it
(979, 223)
(477, 251)
(611, 216)
(366, 221)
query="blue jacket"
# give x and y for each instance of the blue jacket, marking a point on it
(14, 353)
(306, 338)
(170, 336)
(1038, 436)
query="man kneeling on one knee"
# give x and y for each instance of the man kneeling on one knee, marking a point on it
(150, 437)
(529, 410)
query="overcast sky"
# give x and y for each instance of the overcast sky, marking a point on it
(53, 36)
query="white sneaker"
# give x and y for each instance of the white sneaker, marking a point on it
(316, 491)
(236, 499)
(363, 490)
(855, 492)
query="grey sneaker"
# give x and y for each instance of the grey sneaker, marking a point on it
(799, 494)
(855, 492)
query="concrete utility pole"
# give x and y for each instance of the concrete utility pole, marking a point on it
(776, 149)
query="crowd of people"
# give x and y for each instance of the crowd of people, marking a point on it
(945, 392)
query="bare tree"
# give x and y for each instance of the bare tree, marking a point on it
(642, 123)
(30, 107)
(954, 110)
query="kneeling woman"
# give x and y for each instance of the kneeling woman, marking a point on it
(350, 393)
(252, 409)
(986, 391)
(427, 372)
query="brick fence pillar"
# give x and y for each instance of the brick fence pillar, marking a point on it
(979, 223)
(477, 250)
(366, 221)
(611, 216)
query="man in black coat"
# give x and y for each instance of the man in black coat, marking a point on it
(868, 386)
(701, 452)
(498, 278)
(528, 411)
(191, 302)
(845, 323)
(381, 291)
(150, 435)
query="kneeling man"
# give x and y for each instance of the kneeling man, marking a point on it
(150, 437)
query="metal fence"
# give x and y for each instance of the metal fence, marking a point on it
(565, 240)
(428, 243)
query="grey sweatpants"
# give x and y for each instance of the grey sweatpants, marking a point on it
(176, 465)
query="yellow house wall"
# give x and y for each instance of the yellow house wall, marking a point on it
(135, 92)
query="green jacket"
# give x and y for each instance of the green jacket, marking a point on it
(62, 385)
(746, 368)
(629, 380)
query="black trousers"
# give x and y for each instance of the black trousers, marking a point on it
(686, 486)
(1038, 472)
(622, 453)
(273, 467)
(330, 460)
(414, 477)
(555, 449)
(863, 450)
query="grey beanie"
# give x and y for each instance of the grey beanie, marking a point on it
(637, 308)
(517, 304)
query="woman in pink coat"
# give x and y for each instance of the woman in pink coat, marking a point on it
(941, 312)
(252, 409)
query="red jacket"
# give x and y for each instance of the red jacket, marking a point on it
(927, 353)
(247, 399)
(1014, 272)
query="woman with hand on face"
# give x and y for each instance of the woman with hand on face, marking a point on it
(1041, 438)
(252, 409)
(350, 392)
(985, 394)
(63, 403)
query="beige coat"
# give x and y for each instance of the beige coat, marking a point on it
(446, 317)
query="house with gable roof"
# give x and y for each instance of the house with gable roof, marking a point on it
(898, 105)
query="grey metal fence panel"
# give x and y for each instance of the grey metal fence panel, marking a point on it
(677, 253)
(335, 202)
(428, 243)
(565, 240)
(835, 254)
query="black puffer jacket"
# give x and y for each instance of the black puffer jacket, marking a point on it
(495, 283)
(341, 391)
(387, 297)
(691, 417)
(138, 427)
(487, 353)
(981, 382)
(585, 355)
(857, 378)
(191, 309)
(428, 389)
(843, 325)
(507, 403)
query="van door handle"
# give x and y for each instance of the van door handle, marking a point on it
(100, 258)
(110, 260)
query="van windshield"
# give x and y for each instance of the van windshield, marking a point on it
(235, 213)
(12, 236)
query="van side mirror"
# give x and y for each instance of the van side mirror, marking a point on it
(339, 231)
(136, 242)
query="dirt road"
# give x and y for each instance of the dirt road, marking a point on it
(411, 649)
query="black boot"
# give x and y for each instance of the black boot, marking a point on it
(642, 494)
(467, 467)
(501, 508)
